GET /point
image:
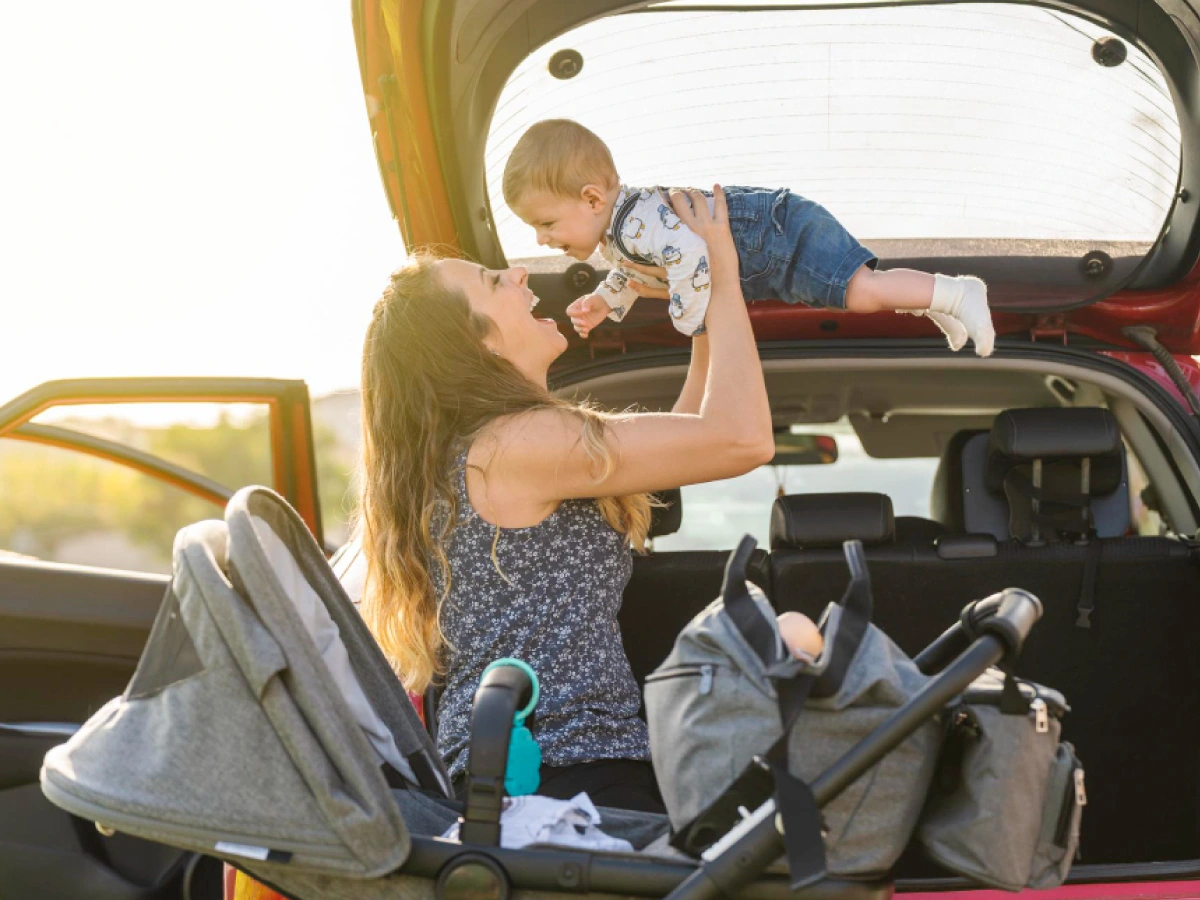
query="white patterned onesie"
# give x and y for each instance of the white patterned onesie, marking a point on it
(645, 229)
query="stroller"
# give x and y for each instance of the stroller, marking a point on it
(264, 727)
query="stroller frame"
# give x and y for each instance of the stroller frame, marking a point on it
(256, 628)
(734, 867)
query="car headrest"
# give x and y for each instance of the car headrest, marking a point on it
(829, 520)
(946, 495)
(970, 495)
(666, 519)
(1056, 435)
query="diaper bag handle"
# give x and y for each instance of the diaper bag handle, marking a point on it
(746, 615)
(857, 606)
(763, 636)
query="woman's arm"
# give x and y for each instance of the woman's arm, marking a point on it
(692, 394)
(540, 458)
(697, 374)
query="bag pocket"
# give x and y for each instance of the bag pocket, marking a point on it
(706, 720)
(1058, 842)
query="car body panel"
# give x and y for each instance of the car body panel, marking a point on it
(1126, 890)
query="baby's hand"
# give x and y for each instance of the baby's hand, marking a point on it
(587, 312)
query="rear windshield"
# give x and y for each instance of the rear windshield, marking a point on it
(979, 131)
(718, 513)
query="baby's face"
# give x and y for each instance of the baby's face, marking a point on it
(574, 226)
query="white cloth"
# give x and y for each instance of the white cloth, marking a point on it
(645, 225)
(542, 820)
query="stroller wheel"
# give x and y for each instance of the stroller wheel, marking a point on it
(472, 876)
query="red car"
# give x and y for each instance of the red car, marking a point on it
(1049, 149)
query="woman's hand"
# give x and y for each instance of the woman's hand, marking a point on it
(646, 290)
(713, 226)
(692, 207)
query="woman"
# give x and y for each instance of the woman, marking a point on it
(478, 519)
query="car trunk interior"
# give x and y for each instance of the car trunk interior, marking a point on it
(1132, 678)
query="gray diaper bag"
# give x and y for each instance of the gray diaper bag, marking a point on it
(1006, 803)
(721, 704)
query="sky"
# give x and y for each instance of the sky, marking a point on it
(186, 189)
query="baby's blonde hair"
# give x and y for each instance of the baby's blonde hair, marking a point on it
(558, 156)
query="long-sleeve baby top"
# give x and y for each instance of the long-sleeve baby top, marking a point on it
(645, 229)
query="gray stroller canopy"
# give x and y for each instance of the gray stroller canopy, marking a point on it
(263, 722)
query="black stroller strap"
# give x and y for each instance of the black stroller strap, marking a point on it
(764, 777)
(803, 840)
(426, 776)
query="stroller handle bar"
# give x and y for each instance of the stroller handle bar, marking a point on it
(1009, 615)
(1017, 611)
(1004, 621)
(502, 692)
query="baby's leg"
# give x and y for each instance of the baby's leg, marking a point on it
(957, 305)
(871, 290)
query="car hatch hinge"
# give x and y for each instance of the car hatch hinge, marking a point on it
(1051, 326)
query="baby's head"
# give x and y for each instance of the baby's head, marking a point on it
(560, 179)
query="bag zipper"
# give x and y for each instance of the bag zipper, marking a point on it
(703, 671)
(1042, 707)
(1075, 792)
(1041, 715)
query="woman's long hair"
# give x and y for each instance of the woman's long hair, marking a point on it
(429, 387)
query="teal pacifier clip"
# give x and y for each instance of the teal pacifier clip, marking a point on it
(522, 775)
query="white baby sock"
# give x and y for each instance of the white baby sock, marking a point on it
(956, 334)
(963, 299)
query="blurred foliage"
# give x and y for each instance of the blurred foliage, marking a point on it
(51, 497)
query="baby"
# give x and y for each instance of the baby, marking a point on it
(561, 180)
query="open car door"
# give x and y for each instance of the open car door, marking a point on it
(71, 635)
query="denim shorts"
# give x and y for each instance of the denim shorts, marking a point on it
(792, 249)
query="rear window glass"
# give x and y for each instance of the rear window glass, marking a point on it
(717, 514)
(931, 132)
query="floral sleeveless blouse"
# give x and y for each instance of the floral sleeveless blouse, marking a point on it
(552, 602)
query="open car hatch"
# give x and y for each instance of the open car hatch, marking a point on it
(1045, 150)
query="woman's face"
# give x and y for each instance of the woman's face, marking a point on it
(504, 297)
